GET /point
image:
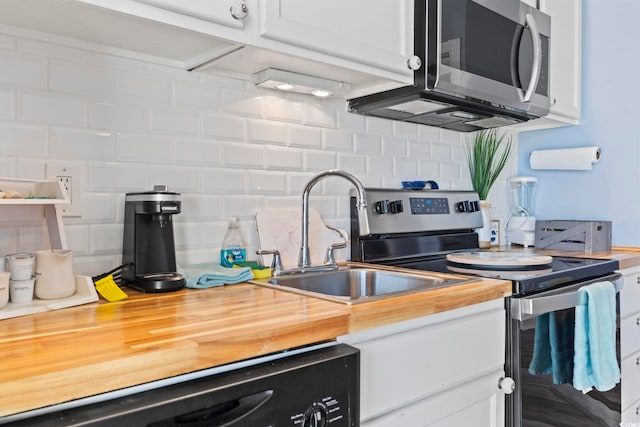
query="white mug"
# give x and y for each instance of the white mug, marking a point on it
(4, 288)
(20, 266)
(21, 290)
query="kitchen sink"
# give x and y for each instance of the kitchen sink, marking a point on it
(354, 285)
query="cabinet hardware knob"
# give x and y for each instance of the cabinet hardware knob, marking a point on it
(638, 279)
(414, 63)
(637, 361)
(507, 385)
(239, 10)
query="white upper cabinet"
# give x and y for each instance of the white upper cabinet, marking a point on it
(365, 43)
(373, 32)
(565, 59)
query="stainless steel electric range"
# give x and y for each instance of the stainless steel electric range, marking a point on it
(433, 230)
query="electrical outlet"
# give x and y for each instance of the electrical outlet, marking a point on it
(70, 177)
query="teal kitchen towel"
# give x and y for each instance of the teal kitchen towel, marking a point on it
(553, 346)
(595, 363)
(209, 274)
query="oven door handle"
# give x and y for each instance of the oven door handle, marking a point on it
(529, 307)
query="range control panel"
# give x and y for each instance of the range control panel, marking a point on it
(403, 211)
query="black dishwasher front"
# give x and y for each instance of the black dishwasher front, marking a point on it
(310, 389)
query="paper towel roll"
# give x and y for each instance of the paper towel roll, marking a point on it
(581, 158)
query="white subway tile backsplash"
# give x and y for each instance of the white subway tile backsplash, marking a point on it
(394, 146)
(199, 207)
(369, 144)
(224, 127)
(81, 79)
(144, 148)
(406, 169)
(175, 122)
(419, 150)
(224, 181)
(82, 144)
(180, 179)
(379, 126)
(118, 177)
(122, 117)
(197, 96)
(196, 151)
(304, 136)
(283, 158)
(143, 88)
(243, 155)
(319, 160)
(7, 103)
(283, 109)
(352, 163)
(266, 131)
(228, 147)
(264, 182)
(23, 140)
(6, 42)
(105, 239)
(405, 129)
(243, 207)
(319, 114)
(23, 71)
(49, 108)
(338, 140)
(242, 103)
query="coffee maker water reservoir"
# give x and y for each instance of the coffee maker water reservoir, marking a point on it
(148, 250)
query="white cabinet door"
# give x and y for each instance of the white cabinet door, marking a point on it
(373, 32)
(565, 63)
(218, 11)
(565, 57)
(441, 367)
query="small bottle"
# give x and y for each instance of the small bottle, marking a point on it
(233, 247)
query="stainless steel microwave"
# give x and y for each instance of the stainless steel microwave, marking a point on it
(479, 64)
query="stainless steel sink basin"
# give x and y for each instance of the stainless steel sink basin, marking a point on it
(354, 285)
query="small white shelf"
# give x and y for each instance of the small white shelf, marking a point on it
(85, 293)
(45, 194)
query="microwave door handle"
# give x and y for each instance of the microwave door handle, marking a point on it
(526, 308)
(537, 57)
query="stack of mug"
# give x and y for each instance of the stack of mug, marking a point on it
(46, 275)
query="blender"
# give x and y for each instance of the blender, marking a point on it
(521, 225)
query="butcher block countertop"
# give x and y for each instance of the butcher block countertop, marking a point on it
(62, 355)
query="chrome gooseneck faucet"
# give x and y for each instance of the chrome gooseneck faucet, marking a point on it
(305, 258)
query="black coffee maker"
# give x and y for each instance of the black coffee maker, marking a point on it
(148, 250)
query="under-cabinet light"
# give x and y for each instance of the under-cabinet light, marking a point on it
(272, 78)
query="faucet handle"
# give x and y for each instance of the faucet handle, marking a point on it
(276, 262)
(329, 258)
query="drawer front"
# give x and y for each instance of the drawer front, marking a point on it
(630, 380)
(630, 295)
(629, 335)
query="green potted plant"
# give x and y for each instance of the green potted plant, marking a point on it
(487, 154)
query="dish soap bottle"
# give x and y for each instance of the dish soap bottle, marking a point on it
(233, 247)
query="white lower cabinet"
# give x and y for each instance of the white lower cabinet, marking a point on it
(438, 370)
(630, 346)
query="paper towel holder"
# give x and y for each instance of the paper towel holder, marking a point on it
(576, 158)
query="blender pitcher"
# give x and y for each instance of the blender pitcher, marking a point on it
(521, 225)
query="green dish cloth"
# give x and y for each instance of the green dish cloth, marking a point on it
(209, 274)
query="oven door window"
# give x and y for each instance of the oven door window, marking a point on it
(546, 373)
